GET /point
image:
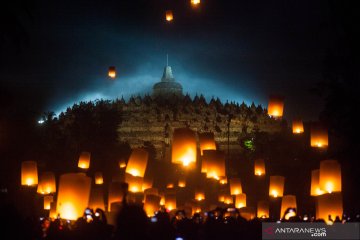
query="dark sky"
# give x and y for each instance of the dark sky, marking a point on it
(54, 53)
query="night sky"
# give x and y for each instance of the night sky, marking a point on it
(55, 53)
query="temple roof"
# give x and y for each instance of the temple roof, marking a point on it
(167, 86)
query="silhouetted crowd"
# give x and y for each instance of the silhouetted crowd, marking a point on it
(133, 223)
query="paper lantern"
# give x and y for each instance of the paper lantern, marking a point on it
(195, 3)
(240, 200)
(206, 141)
(276, 106)
(84, 160)
(259, 167)
(117, 191)
(288, 201)
(47, 201)
(29, 174)
(169, 15)
(47, 183)
(99, 178)
(315, 185)
(297, 126)
(112, 72)
(199, 195)
(319, 136)
(215, 163)
(152, 191)
(52, 213)
(223, 180)
(97, 198)
(137, 162)
(263, 209)
(162, 199)
(170, 201)
(122, 164)
(135, 183)
(329, 205)
(182, 182)
(147, 183)
(73, 196)
(228, 199)
(276, 188)
(170, 185)
(248, 213)
(330, 176)
(152, 204)
(183, 147)
(235, 186)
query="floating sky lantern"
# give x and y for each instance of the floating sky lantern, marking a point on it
(47, 183)
(276, 106)
(151, 204)
(195, 3)
(137, 162)
(248, 213)
(329, 206)
(122, 164)
(170, 185)
(170, 201)
(112, 72)
(84, 160)
(259, 167)
(263, 209)
(97, 198)
(162, 199)
(240, 200)
(228, 199)
(214, 161)
(297, 126)
(223, 180)
(135, 183)
(73, 196)
(29, 173)
(152, 191)
(319, 136)
(147, 183)
(199, 195)
(330, 176)
(52, 213)
(182, 182)
(184, 147)
(47, 201)
(276, 188)
(235, 186)
(288, 201)
(99, 178)
(315, 185)
(206, 141)
(117, 191)
(169, 15)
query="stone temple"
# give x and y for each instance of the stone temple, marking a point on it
(151, 120)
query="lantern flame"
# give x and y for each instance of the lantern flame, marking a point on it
(274, 193)
(29, 181)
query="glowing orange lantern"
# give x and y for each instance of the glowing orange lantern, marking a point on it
(182, 182)
(152, 204)
(330, 176)
(297, 126)
(73, 196)
(112, 72)
(162, 199)
(215, 163)
(195, 3)
(276, 106)
(99, 178)
(29, 174)
(47, 183)
(184, 147)
(207, 142)
(170, 201)
(169, 15)
(315, 186)
(147, 183)
(122, 164)
(223, 180)
(152, 191)
(52, 213)
(276, 188)
(84, 160)
(97, 198)
(240, 200)
(247, 212)
(235, 186)
(329, 206)
(263, 209)
(47, 201)
(259, 167)
(199, 195)
(170, 185)
(228, 199)
(288, 201)
(319, 137)
(137, 162)
(117, 191)
(135, 183)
